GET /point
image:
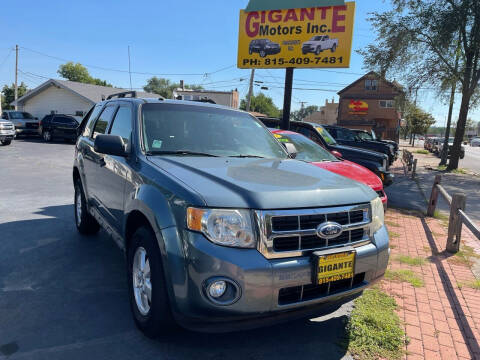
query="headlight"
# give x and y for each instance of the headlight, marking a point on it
(223, 226)
(378, 215)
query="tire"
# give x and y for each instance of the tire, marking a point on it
(86, 223)
(263, 53)
(152, 315)
(47, 136)
(318, 50)
(6, 142)
(334, 48)
(250, 51)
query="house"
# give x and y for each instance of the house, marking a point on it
(66, 97)
(327, 115)
(225, 98)
(369, 103)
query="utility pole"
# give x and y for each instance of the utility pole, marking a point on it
(250, 91)
(129, 70)
(16, 76)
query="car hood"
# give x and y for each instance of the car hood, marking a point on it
(353, 171)
(263, 183)
(367, 154)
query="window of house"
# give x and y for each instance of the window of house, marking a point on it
(371, 84)
(387, 104)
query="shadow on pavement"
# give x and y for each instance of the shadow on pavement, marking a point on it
(63, 295)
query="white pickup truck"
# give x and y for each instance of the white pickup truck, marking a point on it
(319, 43)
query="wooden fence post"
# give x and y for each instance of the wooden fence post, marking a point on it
(414, 171)
(455, 223)
(434, 196)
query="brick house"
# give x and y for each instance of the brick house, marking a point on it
(327, 115)
(369, 103)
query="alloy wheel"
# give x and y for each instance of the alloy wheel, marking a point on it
(141, 277)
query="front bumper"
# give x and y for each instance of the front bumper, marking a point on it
(25, 131)
(260, 281)
(7, 135)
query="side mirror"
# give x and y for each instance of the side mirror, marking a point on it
(291, 149)
(336, 154)
(110, 145)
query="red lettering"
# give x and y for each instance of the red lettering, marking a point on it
(336, 18)
(291, 15)
(323, 10)
(275, 16)
(309, 13)
(252, 28)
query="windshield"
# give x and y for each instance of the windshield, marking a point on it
(20, 115)
(364, 136)
(316, 38)
(326, 135)
(207, 131)
(307, 150)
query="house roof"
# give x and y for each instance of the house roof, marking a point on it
(393, 84)
(89, 92)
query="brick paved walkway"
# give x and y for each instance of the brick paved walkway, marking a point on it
(441, 320)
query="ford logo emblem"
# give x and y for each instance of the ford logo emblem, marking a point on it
(329, 230)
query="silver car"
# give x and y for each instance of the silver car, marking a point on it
(7, 132)
(24, 122)
(475, 142)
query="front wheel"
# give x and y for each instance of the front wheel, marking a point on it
(47, 136)
(6, 142)
(263, 53)
(334, 48)
(147, 288)
(86, 223)
(318, 50)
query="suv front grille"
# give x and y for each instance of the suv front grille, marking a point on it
(296, 294)
(287, 233)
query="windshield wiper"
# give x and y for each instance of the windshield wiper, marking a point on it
(246, 156)
(180, 152)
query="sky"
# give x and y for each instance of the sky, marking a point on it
(185, 40)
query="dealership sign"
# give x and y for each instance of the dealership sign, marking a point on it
(310, 37)
(358, 107)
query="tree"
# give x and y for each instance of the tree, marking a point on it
(9, 94)
(79, 73)
(262, 104)
(419, 121)
(165, 87)
(301, 114)
(419, 40)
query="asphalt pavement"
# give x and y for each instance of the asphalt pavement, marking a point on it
(64, 296)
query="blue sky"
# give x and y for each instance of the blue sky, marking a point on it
(176, 37)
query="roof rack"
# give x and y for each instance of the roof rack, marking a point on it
(133, 94)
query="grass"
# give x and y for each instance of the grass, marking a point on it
(472, 284)
(391, 223)
(374, 330)
(444, 219)
(464, 256)
(393, 235)
(404, 276)
(460, 171)
(424, 152)
(415, 261)
(442, 167)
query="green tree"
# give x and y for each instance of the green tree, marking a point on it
(418, 120)
(165, 87)
(79, 73)
(419, 40)
(263, 104)
(301, 114)
(8, 93)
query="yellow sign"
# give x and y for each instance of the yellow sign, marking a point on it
(319, 37)
(335, 267)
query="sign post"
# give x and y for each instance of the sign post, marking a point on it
(289, 34)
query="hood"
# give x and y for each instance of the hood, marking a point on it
(367, 154)
(353, 171)
(263, 183)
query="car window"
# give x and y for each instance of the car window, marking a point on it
(103, 120)
(122, 124)
(325, 135)
(4, 116)
(89, 120)
(63, 120)
(307, 150)
(345, 135)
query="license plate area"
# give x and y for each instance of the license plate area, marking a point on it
(333, 265)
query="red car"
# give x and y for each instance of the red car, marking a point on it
(311, 152)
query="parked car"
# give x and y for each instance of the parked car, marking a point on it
(371, 136)
(24, 122)
(310, 151)
(374, 161)
(348, 137)
(210, 209)
(58, 126)
(475, 142)
(7, 132)
(436, 145)
(319, 43)
(450, 145)
(264, 47)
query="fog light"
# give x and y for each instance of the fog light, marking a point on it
(217, 289)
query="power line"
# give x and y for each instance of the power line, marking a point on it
(126, 71)
(6, 57)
